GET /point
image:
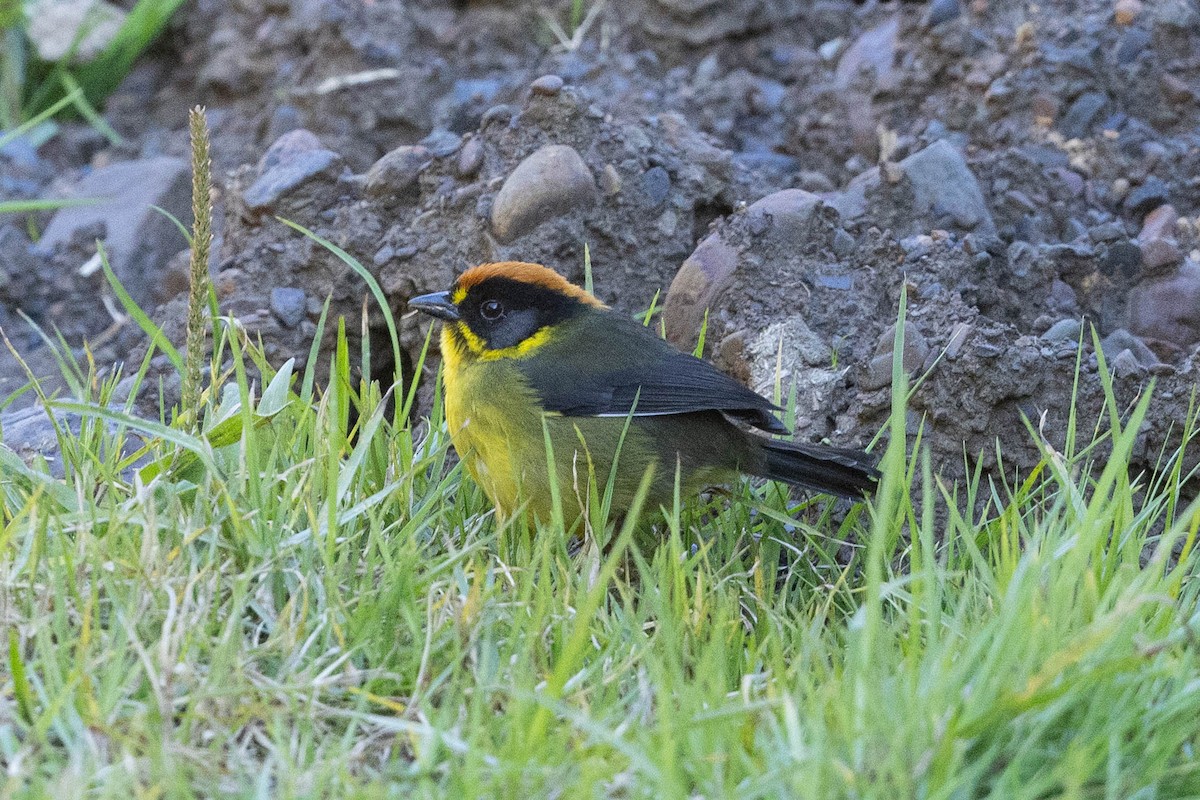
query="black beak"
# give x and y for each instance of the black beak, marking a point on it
(436, 305)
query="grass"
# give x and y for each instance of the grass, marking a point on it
(280, 602)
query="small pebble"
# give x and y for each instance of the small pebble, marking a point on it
(1065, 330)
(547, 85)
(289, 305)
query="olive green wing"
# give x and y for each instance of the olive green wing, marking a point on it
(606, 365)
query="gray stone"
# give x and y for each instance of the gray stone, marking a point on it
(874, 50)
(843, 243)
(942, 11)
(289, 304)
(1065, 330)
(550, 182)
(1147, 197)
(548, 85)
(1126, 365)
(785, 213)
(442, 143)
(470, 158)
(137, 238)
(1082, 115)
(292, 161)
(396, 174)
(1122, 340)
(944, 185)
(656, 185)
(879, 370)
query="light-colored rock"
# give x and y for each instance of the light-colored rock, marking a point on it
(550, 182)
(54, 26)
(874, 50)
(295, 159)
(943, 184)
(705, 274)
(139, 240)
(786, 212)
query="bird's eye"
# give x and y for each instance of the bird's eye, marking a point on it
(491, 310)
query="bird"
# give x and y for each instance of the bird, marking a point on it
(522, 347)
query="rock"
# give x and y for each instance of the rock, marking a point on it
(295, 159)
(470, 158)
(705, 274)
(1122, 340)
(1168, 308)
(1126, 11)
(656, 185)
(1159, 224)
(610, 181)
(442, 143)
(547, 85)
(943, 185)
(289, 304)
(879, 371)
(1158, 254)
(1065, 330)
(1110, 231)
(1147, 197)
(1082, 115)
(1131, 45)
(1176, 89)
(786, 213)
(82, 28)
(942, 11)
(550, 182)
(1121, 259)
(137, 238)
(843, 243)
(874, 50)
(397, 173)
(1125, 365)
(1177, 15)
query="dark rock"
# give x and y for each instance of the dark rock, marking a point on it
(1082, 115)
(1122, 258)
(843, 243)
(1132, 43)
(137, 238)
(656, 185)
(550, 182)
(289, 305)
(1147, 197)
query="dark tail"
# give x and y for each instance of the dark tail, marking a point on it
(849, 473)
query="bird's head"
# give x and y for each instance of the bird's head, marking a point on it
(503, 310)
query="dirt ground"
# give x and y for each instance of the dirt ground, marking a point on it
(1017, 170)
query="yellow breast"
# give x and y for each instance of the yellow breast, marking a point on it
(494, 423)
